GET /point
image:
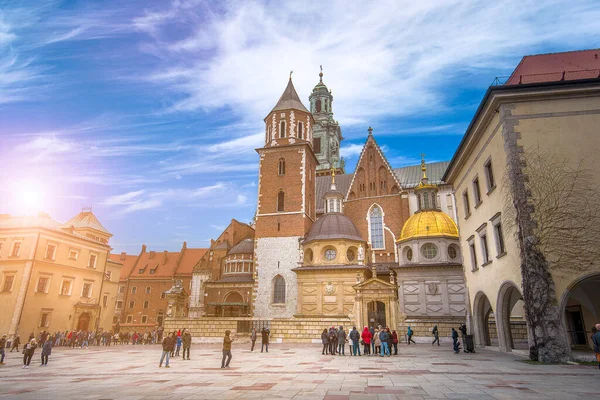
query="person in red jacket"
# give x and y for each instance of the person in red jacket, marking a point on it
(395, 342)
(366, 337)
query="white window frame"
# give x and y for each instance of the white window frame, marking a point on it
(496, 221)
(476, 191)
(124, 289)
(133, 289)
(484, 246)
(146, 304)
(37, 283)
(466, 203)
(117, 304)
(382, 225)
(71, 283)
(53, 255)
(129, 304)
(12, 248)
(105, 300)
(473, 253)
(129, 319)
(48, 312)
(489, 167)
(12, 285)
(95, 260)
(91, 289)
(144, 319)
(73, 251)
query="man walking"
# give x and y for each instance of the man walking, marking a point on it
(410, 333)
(355, 338)
(265, 339)
(253, 336)
(167, 345)
(455, 344)
(15, 344)
(341, 337)
(226, 350)
(187, 343)
(2, 346)
(436, 335)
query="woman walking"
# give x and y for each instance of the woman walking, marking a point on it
(366, 338)
(46, 351)
(436, 335)
(28, 351)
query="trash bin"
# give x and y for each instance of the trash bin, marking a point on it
(469, 344)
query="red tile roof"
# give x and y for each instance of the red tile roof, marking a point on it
(552, 67)
(156, 264)
(128, 262)
(189, 260)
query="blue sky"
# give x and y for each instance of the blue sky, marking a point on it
(150, 111)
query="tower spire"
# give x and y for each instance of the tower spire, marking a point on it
(423, 167)
(321, 74)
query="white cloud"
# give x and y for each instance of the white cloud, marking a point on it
(351, 150)
(125, 198)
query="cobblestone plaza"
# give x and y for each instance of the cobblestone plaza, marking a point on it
(292, 371)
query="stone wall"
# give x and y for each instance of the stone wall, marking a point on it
(518, 329)
(292, 330)
(275, 256)
(422, 328)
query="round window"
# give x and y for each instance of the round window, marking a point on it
(409, 254)
(452, 252)
(429, 251)
(350, 255)
(330, 254)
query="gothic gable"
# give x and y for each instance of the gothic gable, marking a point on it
(373, 175)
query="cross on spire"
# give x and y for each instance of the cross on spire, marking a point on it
(291, 72)
(370, 131)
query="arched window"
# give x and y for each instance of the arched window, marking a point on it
(331, 205)
(279, 290)
(281, 169)
(426, 201)
(376, 225)
(419, 202)
(280, 201)
(318, 105)
(300, 130)
(282, 129)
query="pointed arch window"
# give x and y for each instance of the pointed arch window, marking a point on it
(279, 290)
(300, 130)
(282, 129)
(280, 201)
(376, 228)
(281, 167)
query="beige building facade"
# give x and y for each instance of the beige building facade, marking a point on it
(545, 130)
(55, 277)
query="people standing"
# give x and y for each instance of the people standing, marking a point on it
(179, 343)
(325, 341)
(596, 342)
(377, 341)
(46, 351)
(463, 336)
(28, 351)
(332, 341)
(15, 344)
(436, 335)
(187, 343)
(383, 338)
(366, 337)
(355, 339)
(226, 350)
(166, 346)
(265, 339)
(455, 344)
(173, 343)
(341, 339)
(253, 337)
(372, 332)
(409, 334)
(2, 347)
(395, 342)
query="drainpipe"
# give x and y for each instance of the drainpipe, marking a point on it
(37, 241)
(100, 293)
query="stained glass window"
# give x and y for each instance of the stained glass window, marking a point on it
(376, 219)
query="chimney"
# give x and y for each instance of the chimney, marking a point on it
(151, 255)
(185, 245)
(143, 248)
(212, 242)
(165, 257)
(123, 256)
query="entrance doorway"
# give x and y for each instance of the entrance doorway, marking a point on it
(376, 313)
(576, 325)
(84, 322)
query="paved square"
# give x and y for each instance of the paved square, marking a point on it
(291, 371)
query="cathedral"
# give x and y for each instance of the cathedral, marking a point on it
(378, 246)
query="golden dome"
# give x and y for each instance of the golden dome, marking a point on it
(429, 223)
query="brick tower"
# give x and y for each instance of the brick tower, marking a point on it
(286, 204)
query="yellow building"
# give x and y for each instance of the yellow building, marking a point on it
(54, 276)
(527, 167)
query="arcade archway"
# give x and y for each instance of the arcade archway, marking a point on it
(482, 311)
(580, 305)
(510, 321)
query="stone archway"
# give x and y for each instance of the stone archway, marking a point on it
(580, 309)
(482, 310)
(509, 296)
(83, 323)
(376, 313)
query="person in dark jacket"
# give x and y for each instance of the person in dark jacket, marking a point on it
(253, 337)
(372, 331)
(265, 333)
(341, 339)
(383, 337)
(455, 344)
(596, 342)
(436, 335)
(463, 336)
(395, 342)
(409, 334)
(226, 350)
(325, 341)
(332, 341)
(187, 343)
(2, 347)
(15, 344)
(167, 345)
(28, 351)
(390, 340)
(355, 339)
(46, 351)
